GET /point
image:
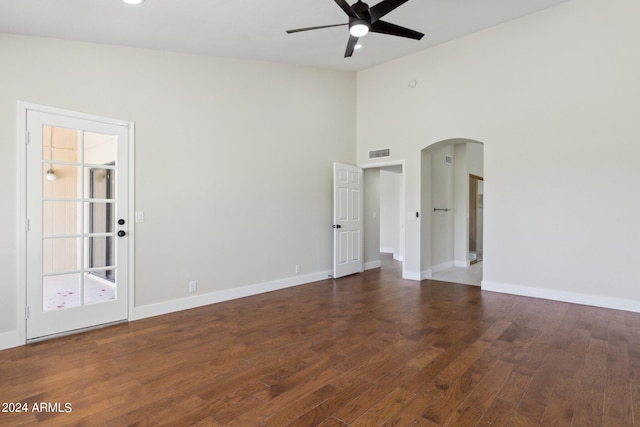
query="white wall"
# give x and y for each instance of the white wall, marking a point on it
(371, 218)
(475, 159)
(555, 98)
(390, 216)
(467, 160)
(442, 197)
(233, 159)
(461, 205)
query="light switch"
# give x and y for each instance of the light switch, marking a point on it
(139, 216)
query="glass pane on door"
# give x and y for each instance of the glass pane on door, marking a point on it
(61, 291)
(60, 218)
(78, 217)
(99, 217)
(96, 289)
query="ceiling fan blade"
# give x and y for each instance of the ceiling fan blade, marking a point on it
(347, 9)
(383, 27)
(384, 7)
(351, 45)
(297, 30)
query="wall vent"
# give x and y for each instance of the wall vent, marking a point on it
(448, 160)
(376, 154)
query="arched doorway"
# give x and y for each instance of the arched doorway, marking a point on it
(446, 167)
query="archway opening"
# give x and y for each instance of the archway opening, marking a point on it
(446, 239)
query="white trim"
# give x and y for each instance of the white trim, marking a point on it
(374, 164)
(19, 335)
(372, 264)
(412, 275)
(387, 250)
(462, 263)
(398, 257)
(427, 274)
(11, 339)
(226, 295)
(131, 227)
(22, 106)
(21, 234)
(564, 296)
(406, 274)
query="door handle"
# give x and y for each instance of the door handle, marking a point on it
(337, 226)
(122, 233)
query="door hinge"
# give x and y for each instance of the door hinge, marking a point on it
(26, 137)
(26, 313)
(27, 225)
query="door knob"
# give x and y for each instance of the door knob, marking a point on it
(121, 221)
(337, 226)
(122, 233)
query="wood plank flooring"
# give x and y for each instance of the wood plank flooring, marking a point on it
(366, 350)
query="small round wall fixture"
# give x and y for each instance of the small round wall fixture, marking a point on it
(413, 83)
(133, 2)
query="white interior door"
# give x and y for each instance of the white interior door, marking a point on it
(347, 220)
(77, 223)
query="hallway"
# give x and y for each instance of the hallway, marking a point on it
(471, 275)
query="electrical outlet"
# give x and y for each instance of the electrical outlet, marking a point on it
(297, 268)
(193, 286)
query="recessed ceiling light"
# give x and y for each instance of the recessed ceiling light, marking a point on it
(133, 1)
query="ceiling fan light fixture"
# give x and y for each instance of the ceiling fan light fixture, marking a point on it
(358, 28)
(133, 2)
(364, 19)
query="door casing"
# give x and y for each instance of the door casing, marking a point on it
(21, 226)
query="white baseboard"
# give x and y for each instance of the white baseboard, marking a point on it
(442, 266)
(461, 263)
(372, 264)
(411, 275)
(387, 250)
(427, 274)
(398, 257)
(166, 307)
(10, 339)
(564, 296)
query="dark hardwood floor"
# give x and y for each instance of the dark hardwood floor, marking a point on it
(366, 350)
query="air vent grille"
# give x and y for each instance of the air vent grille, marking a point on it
(376, 154)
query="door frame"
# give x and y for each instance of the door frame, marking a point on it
(403, 208)
(21, 218)
(473, 214)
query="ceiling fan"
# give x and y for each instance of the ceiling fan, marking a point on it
(363, 19)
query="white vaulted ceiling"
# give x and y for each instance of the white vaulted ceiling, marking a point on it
(255, 29)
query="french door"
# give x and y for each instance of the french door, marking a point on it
(77, 223)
